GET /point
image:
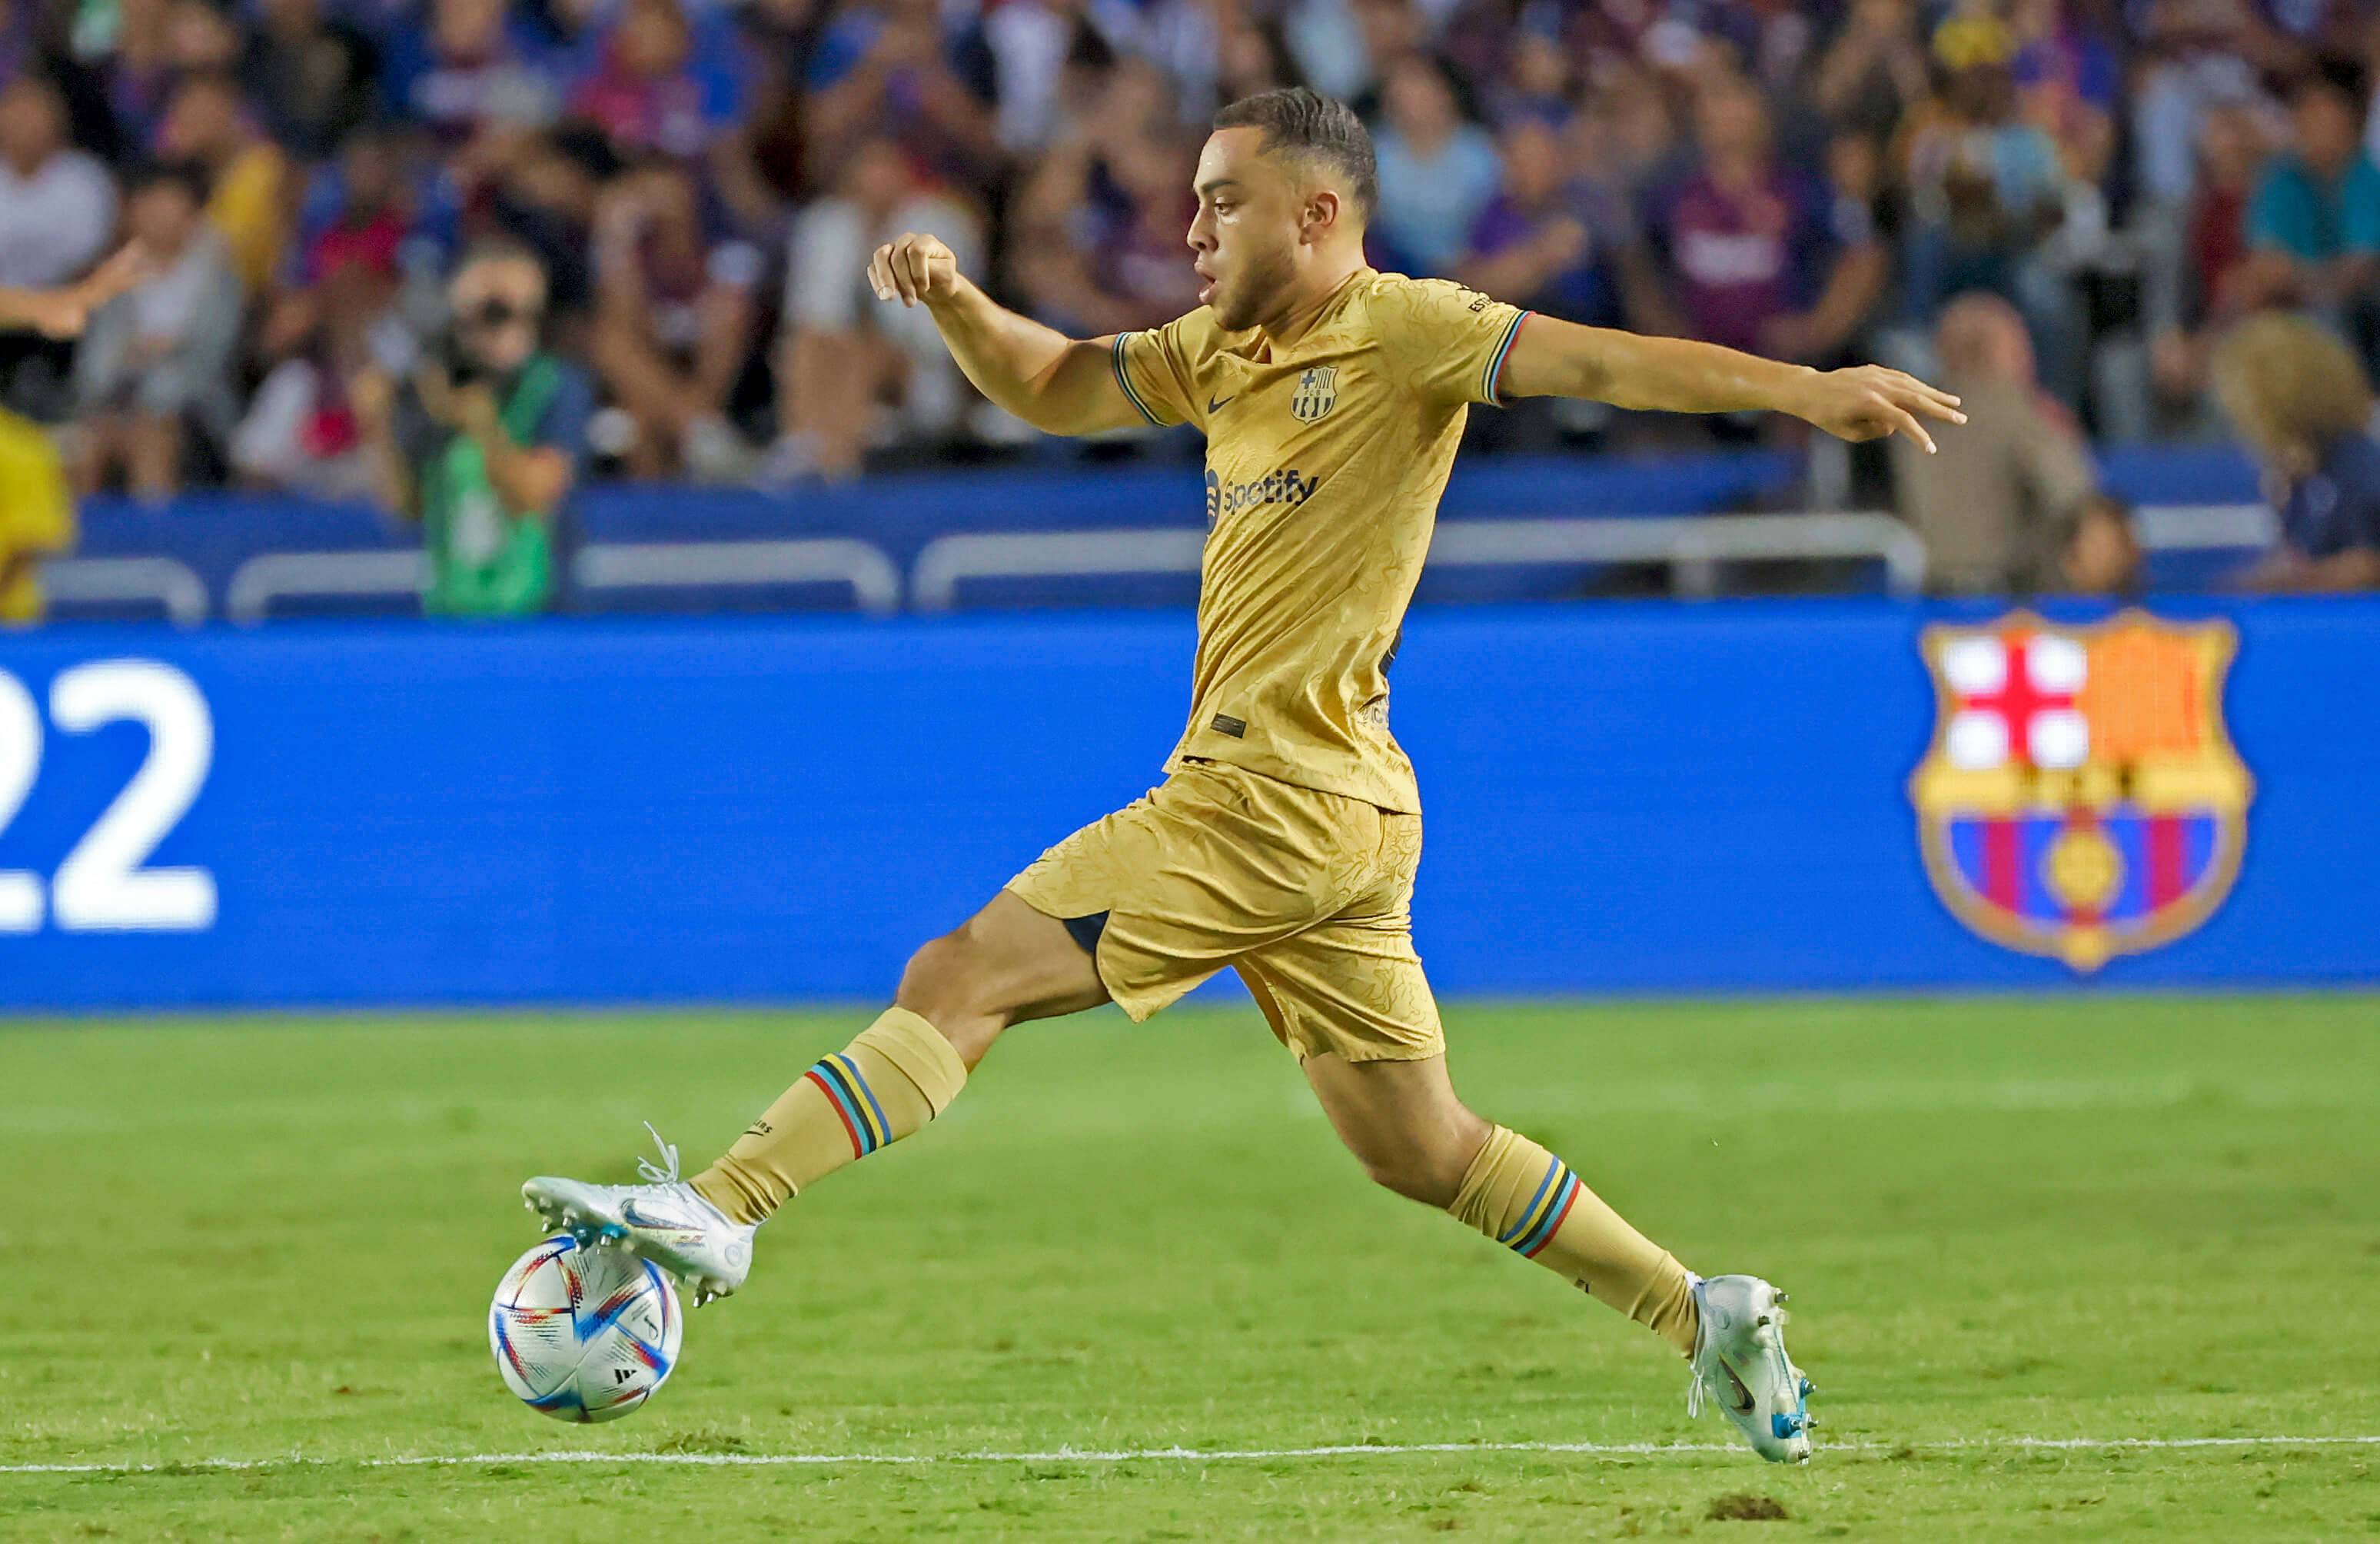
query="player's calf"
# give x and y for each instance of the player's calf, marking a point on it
(1528, 1200)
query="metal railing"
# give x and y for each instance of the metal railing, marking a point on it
(169, 583)
(271, 577)
(875, 582)
(947, 560)
(1691, 546)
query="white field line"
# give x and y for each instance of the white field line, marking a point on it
(1123, 1455)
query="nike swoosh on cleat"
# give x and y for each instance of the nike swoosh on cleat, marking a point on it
(1743, 1395)
(634, 1218)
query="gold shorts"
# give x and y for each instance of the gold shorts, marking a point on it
(1307, 894)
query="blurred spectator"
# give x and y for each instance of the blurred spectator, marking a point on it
(2103, 557)
(37, 517)
(551, 188)
(2000, 506)
(2066, 80)
(844, 355)
(1535, 82)
(365, 215)
(1252, 57)
(24, 48)
(770, 164)
(315, 78)
(1987, 190)
(483, 443)
(1752, 245)
(2201, 277)
(473, 67)
(651, 91)
(202, 36)
(134, 70)
(1626, 137)
(1097, 243)
(1778, 167)
(155, 365)
(1553, 242)
(207, 124)
(57, 205)
(1032, 42)
(2301, 402)
(1875, 71)
(1436, 171)
(2314, 224)
(301, 434)
(674, 316)
(891, 67)
(2193, 60)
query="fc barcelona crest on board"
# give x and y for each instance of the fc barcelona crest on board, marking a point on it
(2081, 798)
(1318, 393)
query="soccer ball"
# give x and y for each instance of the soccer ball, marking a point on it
(584, 1333)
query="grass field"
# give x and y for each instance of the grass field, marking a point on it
(2005, 1223)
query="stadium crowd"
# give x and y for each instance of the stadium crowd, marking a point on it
(702, 180)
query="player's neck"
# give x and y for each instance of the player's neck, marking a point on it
(1310, 296)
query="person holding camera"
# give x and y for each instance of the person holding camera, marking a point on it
(483, 444)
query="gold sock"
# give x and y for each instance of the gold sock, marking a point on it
(1519, 1193)
(897, 1075)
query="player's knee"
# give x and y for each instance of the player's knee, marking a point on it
(1416, 1171)
(948, 980)
(1411, 1177)
(1427, 1166)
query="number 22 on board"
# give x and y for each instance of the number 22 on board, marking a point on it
(102, 886)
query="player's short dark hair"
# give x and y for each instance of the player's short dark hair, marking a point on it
(1306, 123)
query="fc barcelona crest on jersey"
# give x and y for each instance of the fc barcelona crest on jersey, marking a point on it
(1318, 393)
(2082, 799)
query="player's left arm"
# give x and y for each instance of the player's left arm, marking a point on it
(1550, 358)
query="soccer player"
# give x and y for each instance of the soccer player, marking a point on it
(1284, 840)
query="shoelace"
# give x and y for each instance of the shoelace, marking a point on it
(1706, 1357)
(1700, 1369)
(664, 1172)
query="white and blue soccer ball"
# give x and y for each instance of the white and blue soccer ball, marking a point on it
(584, 1332)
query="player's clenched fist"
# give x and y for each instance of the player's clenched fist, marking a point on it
(913, 268)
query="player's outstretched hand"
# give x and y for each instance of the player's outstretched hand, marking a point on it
(913, 268)
(1868, 402)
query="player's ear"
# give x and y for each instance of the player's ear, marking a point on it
(1323, 208)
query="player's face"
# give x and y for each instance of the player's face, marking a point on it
(1250, 217)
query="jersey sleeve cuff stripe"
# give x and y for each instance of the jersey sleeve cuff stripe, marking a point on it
(1123, 379)
(1490, 380)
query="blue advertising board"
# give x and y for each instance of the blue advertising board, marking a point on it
(1620, 798)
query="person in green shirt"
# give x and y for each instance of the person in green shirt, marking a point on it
(482, 446)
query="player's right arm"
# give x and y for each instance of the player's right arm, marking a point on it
(1060, 385)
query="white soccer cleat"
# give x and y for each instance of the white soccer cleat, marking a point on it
(1740, 1363)
(665, 1220)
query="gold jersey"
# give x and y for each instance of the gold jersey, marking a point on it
(1325, 461)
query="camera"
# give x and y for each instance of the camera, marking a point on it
(454, 354)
